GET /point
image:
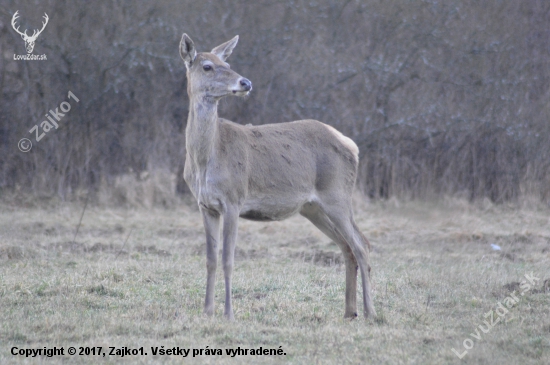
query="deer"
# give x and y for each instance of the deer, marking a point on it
(265, 173)
(29, 41)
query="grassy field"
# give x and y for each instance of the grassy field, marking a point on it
(136, 278)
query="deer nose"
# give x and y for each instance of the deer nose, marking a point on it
(246, 84)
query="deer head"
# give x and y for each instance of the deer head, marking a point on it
(29, 40)
(208, 74)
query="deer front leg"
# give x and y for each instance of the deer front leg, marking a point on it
(212, 229)
(230, 223)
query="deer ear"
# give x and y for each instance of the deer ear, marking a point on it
(188, 51)
(224, 50)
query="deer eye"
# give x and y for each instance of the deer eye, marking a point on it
(207, 68)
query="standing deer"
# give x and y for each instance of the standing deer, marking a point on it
(265, 173)
(29, 40)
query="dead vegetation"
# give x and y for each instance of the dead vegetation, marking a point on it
(434, 272)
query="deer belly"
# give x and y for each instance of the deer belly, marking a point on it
(264, 210)
(256, 215)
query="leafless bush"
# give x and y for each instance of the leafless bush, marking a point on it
(441, 97)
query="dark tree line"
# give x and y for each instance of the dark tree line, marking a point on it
(442, 97)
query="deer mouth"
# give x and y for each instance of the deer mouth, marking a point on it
(241, 92)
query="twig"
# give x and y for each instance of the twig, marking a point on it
(82, 215)
(428, 302)
(122, 248)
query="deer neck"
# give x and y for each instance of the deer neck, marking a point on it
(202, 129)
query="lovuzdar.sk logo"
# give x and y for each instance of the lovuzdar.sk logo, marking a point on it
(29, 40)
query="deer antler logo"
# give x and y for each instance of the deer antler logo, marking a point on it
(29, 41)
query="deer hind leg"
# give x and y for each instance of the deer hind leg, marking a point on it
(361, 249)
(339, 220)
(212, 229)
(317, 216)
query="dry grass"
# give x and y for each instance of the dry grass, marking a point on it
(434, 273)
